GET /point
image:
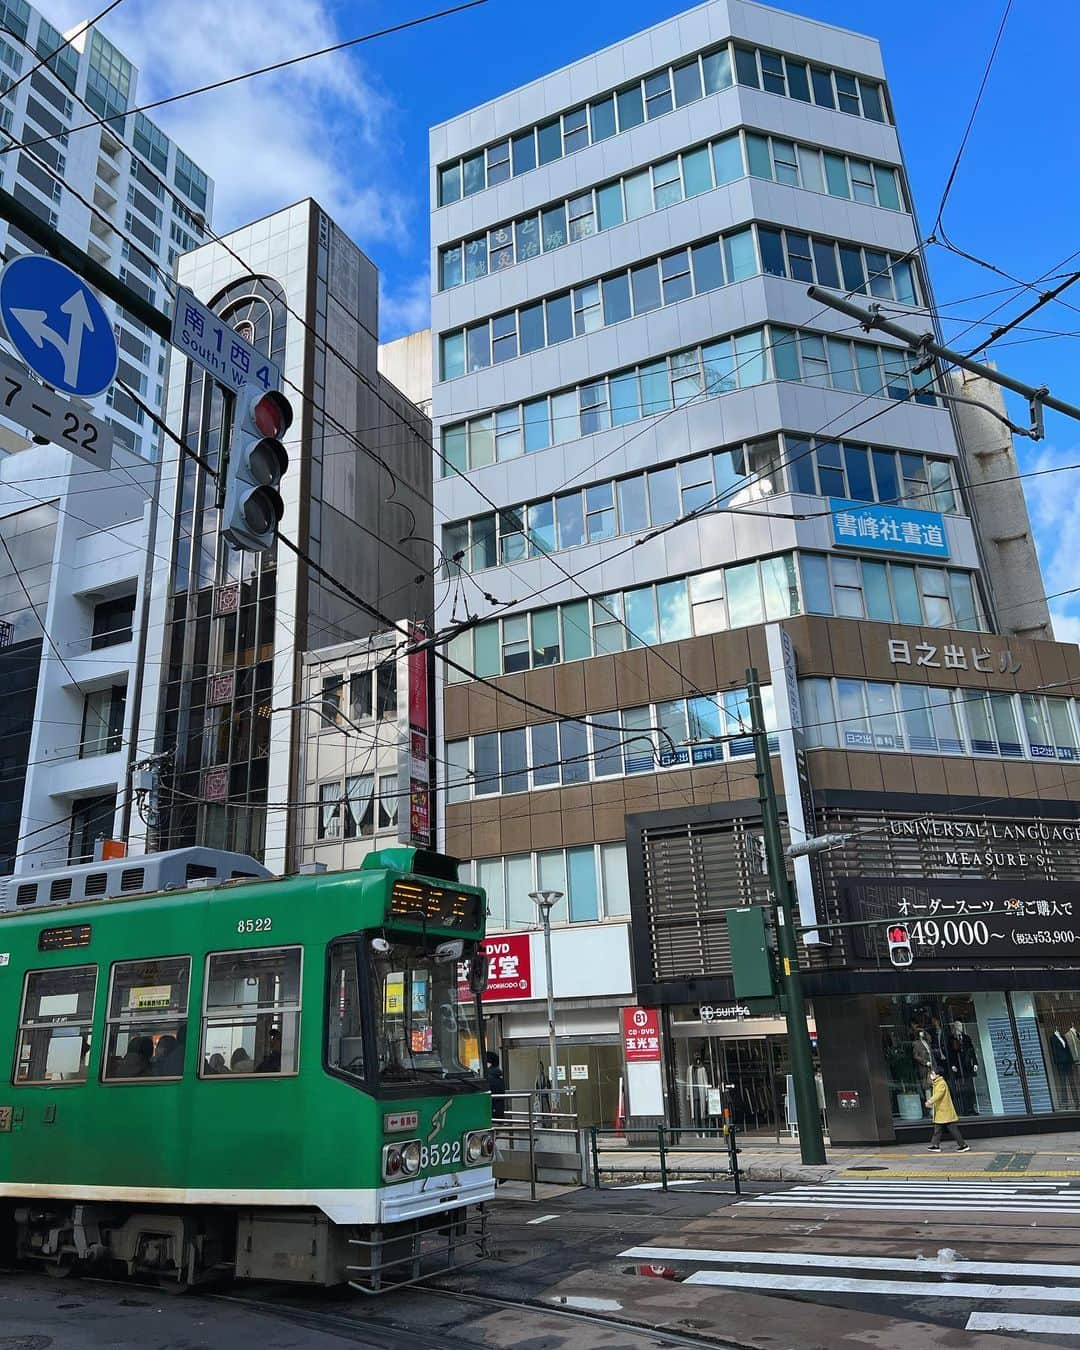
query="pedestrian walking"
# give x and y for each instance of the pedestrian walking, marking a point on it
(496, 1085)
(941, 1107)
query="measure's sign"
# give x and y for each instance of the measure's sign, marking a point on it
(960, 919)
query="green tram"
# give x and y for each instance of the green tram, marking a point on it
(239, 1074)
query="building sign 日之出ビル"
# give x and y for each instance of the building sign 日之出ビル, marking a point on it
(888, 529)
(952, 656)
(963, 919)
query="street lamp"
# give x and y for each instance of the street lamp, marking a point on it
(545, 901)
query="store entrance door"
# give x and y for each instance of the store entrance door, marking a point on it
(591, 1070)
(746, 1074)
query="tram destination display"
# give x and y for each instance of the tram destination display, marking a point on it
(964, 918)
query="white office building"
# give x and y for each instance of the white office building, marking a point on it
(118, 167)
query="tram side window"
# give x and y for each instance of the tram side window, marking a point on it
(54, 1025)
(251, 1021)
(146, 1022)
(344, 1043)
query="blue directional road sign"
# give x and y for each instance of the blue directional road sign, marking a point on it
(57, 325)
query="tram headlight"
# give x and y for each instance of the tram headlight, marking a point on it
(410, 1157)
(401, 1160)
(480, 1146)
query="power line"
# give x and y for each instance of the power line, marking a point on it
(252, 74)
(974, 112)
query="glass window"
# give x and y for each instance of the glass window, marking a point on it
(739, 258)
(687, 83)
(819, 719)
(645, 284)
(655, 388)
(800, 266)
(663, 496)
(686, 377)
(560, 322)
(541, 528)
(607, 624)
(772, 73)
(616, 297)
(616, 880)
(707, 602)
(935, 592)
(750, 359)
(815, 579)
(862, 181)
(658, 94)
(639, 754)
(780, 588)
(587, 314)
(55, 1025)
(508, 433)
(453, 355)
(476, 258)
(545, 753)
(515, 644)
(602, 118)
(549, 141)
(888, 193)
(868, 368)
(851, 708)
(746, 71)
(551, 876)
(847, 93)
(600, 512)
(675, 277)
(574, 752)
(576, 634)
(631, 107)
(489, 875)
(515, 777)
(786, 166)
(581, 884)
(857, 462)
(625, 405)
(526, 237)
(553, 227)
(825, 263)
(594, 408)
(537, 425)
(708, 267)
(717, 70)
(673, 605)
(823, 89)
(344, 1042)
(667, 183)
(146, 1022)
(641, 617)
(488, 656)
(743, 595)
(633, 510)
(388, 801)
(847, 588)
(252, 1005)
(545, 637)
(759, 156)
(810, 169)
(485, 777)
(673, 732)
(531, 327)
(571, 520)
(906, 594)
(878, 273)
(771, 243)
(876, 587)
(478, 343)
(1003, 709)
(696, 482)
(582, 216)
(798, 84)
(524, 152)
(450, 263)
(329, 826)
(500, 248)
(512, 535)
(965, 600)
(575, 126)
(609, 206)
(504, 340)
(727, 159)
(473, 174)
(836, 178)
(498, 163)
(607, 751)
(449, 183)
(697, 173)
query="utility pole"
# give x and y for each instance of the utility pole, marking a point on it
(811, 1140)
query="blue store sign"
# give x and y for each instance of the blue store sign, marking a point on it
(888, 529)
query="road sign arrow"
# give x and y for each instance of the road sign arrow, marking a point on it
(38, 329)
(57, 325)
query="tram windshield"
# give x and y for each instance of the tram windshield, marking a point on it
(426, 1020)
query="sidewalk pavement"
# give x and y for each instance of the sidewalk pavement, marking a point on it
(1000, 1159)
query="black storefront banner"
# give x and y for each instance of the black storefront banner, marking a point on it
(964, 919)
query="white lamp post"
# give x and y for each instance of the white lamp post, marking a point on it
(545, 901)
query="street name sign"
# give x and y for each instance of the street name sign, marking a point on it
(44, 413)
(205, 338)
(58, 326)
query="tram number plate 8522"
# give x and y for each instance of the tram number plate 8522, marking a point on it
(440, 1155)
(254, 925)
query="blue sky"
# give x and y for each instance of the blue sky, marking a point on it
(352, 131)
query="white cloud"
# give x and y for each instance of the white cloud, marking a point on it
(319, 129)
(405, 309)
(1054, 506)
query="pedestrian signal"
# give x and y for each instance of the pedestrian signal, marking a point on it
(900, 953)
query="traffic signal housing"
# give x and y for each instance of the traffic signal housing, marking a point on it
(900, 953)
(257, 462)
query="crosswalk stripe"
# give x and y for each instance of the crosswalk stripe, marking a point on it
(852, 1261)
(818, 1284)
(1029, 1322)
(975, 1206)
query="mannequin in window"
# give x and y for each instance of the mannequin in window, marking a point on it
(1064, 1064)
(698, 1091)
(964, 1066)
(923, 1056)
(939, 1043)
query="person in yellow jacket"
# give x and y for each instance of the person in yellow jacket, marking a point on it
(941, 1106)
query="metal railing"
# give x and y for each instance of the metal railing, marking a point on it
(534, 1126)
(667, 1140)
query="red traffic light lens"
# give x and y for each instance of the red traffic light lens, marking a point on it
(272, 415)
(898, 934)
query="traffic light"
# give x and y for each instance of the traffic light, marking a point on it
(257, 461)
(900, 953)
